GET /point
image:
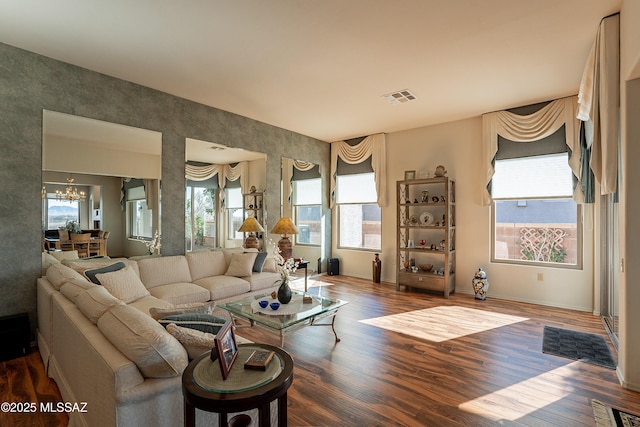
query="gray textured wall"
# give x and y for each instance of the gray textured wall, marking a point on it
(30, 83)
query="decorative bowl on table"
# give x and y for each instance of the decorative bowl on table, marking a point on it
(263, 303)
(426, 267)
(275, 305)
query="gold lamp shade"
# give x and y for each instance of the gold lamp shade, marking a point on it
(250, 225)
(284, 226)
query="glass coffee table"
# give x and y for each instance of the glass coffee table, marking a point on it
(287, 318)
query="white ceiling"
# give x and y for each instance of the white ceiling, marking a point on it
(320, 67)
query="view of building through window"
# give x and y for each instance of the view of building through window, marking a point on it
(200, 218)
(535, 217)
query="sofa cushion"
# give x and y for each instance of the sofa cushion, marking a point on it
(82, 265)
(195, 342)
(143, 341)
(220, 287)
(181, 293)
(61, 255)
(206, 263)
(144, 304)
(259, 262)
(95, 301)
(160, 312)
(123, 284)
(58, 274)
(91, 274)
(241, 265)
(47, 261)
(164, 270)
(74, 287)
(263, 280)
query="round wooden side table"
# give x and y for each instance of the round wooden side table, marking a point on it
(204, 389)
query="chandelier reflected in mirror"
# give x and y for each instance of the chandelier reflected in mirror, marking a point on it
(71, 193)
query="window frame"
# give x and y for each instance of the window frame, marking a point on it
(339, 205)
(132, 209)
(231, 234)
(295, 205)
(579, 239)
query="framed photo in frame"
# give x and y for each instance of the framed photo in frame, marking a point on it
(226, 348)
(409, 175)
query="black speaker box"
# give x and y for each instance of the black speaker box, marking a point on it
(333, 266)
(14, 336)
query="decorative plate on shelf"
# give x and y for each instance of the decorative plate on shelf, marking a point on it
(426, 218)
(413, 219)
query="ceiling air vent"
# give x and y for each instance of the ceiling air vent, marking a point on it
(400, 96)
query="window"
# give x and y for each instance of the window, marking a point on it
(359, 216)
(59, 212)
(234, 212)
(535, 220)
(200, 218)
(139, 216)
(307, 206)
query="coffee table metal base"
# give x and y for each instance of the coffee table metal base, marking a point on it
(288, 330)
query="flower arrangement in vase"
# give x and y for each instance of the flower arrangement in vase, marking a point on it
(153, 245)
(286, 267)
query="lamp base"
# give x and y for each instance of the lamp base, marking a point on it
(251, 242)
(285, 248)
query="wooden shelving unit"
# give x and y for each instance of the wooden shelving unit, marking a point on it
(426, 234)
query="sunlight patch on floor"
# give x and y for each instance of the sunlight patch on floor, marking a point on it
(514, 402)
(443, 323)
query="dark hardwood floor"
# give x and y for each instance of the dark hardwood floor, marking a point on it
(416, 359)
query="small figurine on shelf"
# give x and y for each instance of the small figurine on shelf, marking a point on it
(425, 197)
(415, 200)
(440, 171)
(435, 199)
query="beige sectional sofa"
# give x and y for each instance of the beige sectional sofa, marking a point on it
(102, 347)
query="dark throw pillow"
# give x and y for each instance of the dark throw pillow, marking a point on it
(199, 321)
(259, 262)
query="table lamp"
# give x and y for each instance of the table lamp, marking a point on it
(284, 226)
(250, 225)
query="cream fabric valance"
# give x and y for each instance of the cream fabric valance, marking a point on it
(372, 146)
(599, 103)
(530, 128)
(224, 172)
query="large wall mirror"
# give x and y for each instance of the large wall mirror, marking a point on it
(224, 186)
(302, 202)
(118, 170)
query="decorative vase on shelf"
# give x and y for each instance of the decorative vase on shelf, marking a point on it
(284, 292)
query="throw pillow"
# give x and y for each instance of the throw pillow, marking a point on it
(270, 265)
(95, 301)
(259, 262)
(190, 308)
(91, 274)
(143, 341)
(123, 284)
(241, 264)
(194, 341)
(198, 321)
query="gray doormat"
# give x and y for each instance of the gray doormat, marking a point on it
(590, 348)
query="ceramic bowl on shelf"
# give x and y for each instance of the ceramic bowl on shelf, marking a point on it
(426, 267)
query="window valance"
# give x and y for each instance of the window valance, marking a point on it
(599, 103)
(529, 128)
(372, 146)
(224, 172)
